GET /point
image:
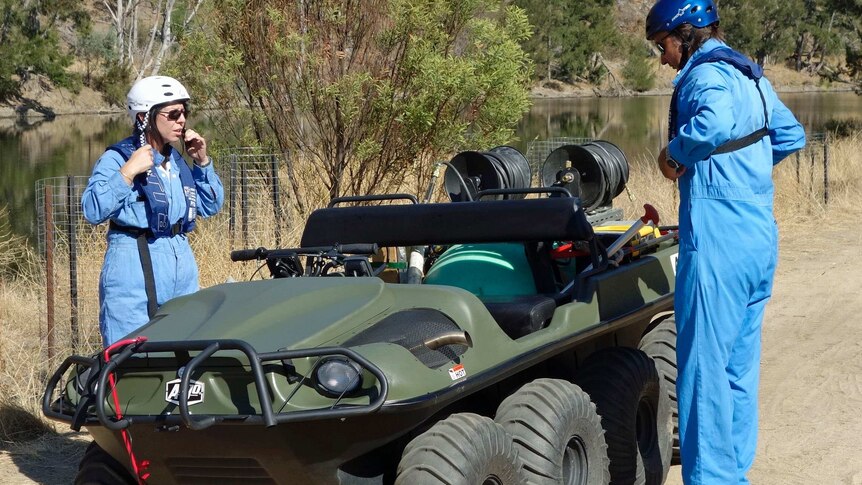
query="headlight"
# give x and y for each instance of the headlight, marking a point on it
(338, 377)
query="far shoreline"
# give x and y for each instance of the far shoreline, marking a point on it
(73, 106)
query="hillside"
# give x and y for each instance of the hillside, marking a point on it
(62, 102)
(39, 98)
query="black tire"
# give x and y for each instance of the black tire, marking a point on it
(463, 449)
(660, 344)
(97, 467)
(557, 432)
(625, 386)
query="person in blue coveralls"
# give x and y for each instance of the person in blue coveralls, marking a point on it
(727, 130)
(152, 199)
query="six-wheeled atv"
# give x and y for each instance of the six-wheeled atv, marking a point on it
(515, 359)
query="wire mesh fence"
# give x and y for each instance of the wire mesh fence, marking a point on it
(72, 249)
(811, 167)
(253, 186)
(254, 215)
(538, 151)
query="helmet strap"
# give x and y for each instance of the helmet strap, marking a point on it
(139, 134)
(686, 49)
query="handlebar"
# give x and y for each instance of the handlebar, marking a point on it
(248, 254)
(263, 253)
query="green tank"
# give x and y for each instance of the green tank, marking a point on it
(486, 270)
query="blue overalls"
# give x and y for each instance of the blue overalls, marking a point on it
(122, 295)
(727, 258)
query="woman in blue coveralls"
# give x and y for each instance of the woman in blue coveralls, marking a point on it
(152, 198)
(727, 130)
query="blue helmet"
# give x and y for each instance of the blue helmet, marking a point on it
(667, 15)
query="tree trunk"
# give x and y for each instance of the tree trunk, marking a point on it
(800, 42)
(118, 16)
(145, 63)
(167, 36)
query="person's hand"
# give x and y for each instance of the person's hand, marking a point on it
(140, 161)
(669, 172)
(196, 147)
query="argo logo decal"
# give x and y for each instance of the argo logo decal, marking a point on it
(457, 372)
(196, 392)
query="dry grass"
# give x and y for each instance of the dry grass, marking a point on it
(21, 370)
(798, 201)
(24, 368)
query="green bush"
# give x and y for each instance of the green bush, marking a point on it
(28, 46)
(843, 128)
(113, 84)
(370, 95)
(638, 72)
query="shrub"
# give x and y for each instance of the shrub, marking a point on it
(638, 72)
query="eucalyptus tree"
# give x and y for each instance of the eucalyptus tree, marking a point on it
(764, 30)
(568, 37)
(369, 92)
(146, 31)
(30, 42)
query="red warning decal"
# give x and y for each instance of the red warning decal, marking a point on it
(457, 372)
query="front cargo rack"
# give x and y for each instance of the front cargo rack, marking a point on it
(97, 386)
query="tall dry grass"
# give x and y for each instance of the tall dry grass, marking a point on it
(23, 363)
(799, 192)
(21, 349)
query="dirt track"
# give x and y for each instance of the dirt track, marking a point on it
(811, 377)
(811, 389)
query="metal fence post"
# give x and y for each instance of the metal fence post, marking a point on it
(244, 206)
(73, 259)
(232, 200)
(826, 169)
(273, 160)
(811, 185)
(49, 269)
(797, 167)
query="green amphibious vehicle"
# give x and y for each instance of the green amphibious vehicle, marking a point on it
(526, 338)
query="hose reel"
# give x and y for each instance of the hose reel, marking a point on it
(596, 172)
(470, 172)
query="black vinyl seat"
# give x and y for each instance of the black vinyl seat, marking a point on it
(534, 222)
(526, 220)
(521, 315)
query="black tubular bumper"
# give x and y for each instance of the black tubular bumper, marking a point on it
(205, 348)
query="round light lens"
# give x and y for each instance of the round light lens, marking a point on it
(338, 377)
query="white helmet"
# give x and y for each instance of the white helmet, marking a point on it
(152, 91)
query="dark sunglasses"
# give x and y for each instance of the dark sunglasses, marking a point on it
(660, 44)
(175, 114)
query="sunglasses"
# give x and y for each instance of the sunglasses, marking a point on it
(175, 114)
(660, 44)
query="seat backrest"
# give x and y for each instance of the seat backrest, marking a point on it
(527, 220)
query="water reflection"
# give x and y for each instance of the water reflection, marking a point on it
(634, 124)
(69, 145)
(639, 125)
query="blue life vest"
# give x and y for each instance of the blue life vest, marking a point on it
(149, 185)
(744, 65)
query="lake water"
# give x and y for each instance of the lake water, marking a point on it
(70, 144)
